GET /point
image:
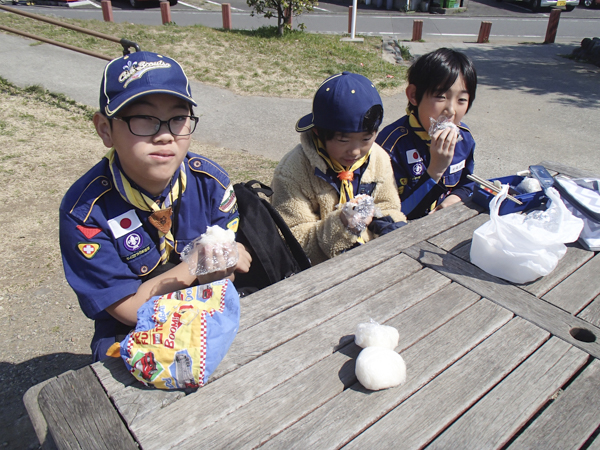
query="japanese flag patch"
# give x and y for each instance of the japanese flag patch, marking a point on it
(125, 223)
(412, 156)
(88, 249)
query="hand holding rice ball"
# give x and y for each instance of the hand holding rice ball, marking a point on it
(216, 250)
(378, 366)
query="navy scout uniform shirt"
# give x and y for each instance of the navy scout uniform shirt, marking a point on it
(410, 158)
(109, 248)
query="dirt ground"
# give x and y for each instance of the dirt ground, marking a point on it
(46, 143)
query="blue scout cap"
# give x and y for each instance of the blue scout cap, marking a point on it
(341, 103)
(132, 76)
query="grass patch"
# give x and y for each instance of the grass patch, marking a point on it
(290, 66)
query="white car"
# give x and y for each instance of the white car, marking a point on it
(537, 5)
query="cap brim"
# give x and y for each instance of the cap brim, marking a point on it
(305, 123)
(132, 96)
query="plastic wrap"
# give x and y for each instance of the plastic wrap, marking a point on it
(442, 123)
(358, 210)
(214, 251)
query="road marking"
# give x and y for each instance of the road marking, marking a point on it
(320, 9)
(191, 6)
(218, 4)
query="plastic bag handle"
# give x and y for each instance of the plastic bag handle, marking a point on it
(495, 203)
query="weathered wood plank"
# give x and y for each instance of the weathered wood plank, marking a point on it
(284, 295)
(579, 289)
(272, 332)
(424, 415)
(531, 308)
(496, 418)
(568, 170)
(575, 258)
(292, 400)
(571, 419)
(239, 387)
(459, 235)
(80, 415)
(591, 314)
(346, 415)
(30, 399)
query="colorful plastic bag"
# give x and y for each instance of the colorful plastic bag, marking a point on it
(181, 337)
(523, 247)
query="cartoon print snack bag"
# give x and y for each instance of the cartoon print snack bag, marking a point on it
(181, 337)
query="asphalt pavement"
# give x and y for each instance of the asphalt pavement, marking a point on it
(532, 104)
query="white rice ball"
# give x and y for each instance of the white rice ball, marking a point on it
(217, 235)
(372, 334)
(529, 185)
(380, 368)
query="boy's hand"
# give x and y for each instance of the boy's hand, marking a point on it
(442, 147)
(448, 201)
(245, 259)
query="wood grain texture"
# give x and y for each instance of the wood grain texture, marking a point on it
(573, 259)
(424, 415)
(571, 419)
(459, 235)
(30, 399)
(531, 308)
(346, 415)
(237, 388)
(287, 293)
(591, 314)
(498, 416)
(564, 169)
(274, 331)
(579, 289)
(80, 415)
(297, 397)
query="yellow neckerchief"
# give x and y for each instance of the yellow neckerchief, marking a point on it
(141, 201)
(413, 121)
(345, 175)
(423, 134)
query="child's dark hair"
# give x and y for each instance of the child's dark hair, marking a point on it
(371, 122)
(437, 71)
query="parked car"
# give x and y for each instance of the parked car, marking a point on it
(538, 5)
(590, 3)
(142, 3)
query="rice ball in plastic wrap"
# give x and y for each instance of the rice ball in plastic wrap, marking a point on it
(372, 334)
(380, 368)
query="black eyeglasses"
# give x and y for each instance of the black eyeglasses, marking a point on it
(150, 125)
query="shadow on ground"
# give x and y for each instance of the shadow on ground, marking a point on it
(16, 430)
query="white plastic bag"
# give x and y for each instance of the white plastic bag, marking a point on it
(521, 248)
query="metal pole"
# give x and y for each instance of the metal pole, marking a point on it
(354, 8)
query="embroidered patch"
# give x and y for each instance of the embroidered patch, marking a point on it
(133, 241)
(412, 156)
(233, 225)
(134, 70)
(88, 249)
(228, 199)
(458, 166)
(403, 181)
(146, 249)
(125, 223)
(88, 232)
(401, 190)
(417, 169)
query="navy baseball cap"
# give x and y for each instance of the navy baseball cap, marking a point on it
(340, 104)
(132, 76)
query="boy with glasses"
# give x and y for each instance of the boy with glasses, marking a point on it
(124, 223)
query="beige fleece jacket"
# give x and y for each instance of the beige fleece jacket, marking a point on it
(307, 203)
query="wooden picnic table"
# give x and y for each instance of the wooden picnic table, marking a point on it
(490, 364)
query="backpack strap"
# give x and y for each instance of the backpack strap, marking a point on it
(294, 246)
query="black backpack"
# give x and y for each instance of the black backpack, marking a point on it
(273, 258)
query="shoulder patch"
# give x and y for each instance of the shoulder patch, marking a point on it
(90, 195)
(199, 164)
